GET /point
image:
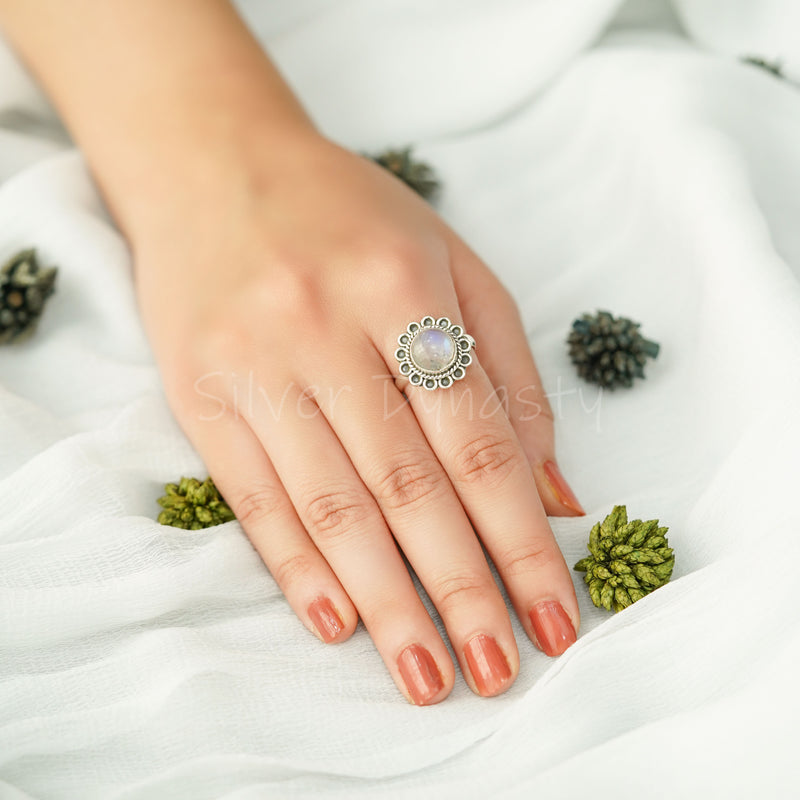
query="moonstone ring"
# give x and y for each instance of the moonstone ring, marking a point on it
(434, 352)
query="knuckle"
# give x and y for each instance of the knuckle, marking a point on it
(488, 458)
(293, 289)
(400, 265)
(401, 254)
(292, 570)
(281, 295)
(397, 279)
(222, 341)
(334, 514)
(410, 482)
(258, 503)
(524, 560)
(458, 589)
(288, 295)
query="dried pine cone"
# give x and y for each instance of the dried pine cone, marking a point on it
(24, 287)
(773, 67)
(192, 505)
(628, 560)
(416, 174)
(609, 350)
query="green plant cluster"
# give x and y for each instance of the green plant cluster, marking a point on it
(193, 505)
(626, 561)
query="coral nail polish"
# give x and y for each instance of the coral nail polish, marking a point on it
(326, 619)
(560, 488)
(553, 628)
(487, 664)
(420, 674)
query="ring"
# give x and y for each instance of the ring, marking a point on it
(434, 352)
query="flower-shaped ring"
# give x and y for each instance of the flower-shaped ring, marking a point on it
(434, 353)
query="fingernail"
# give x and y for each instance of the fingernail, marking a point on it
(560, 488)
(487, 664)
(553, 628)
(326, 619)
(420, 674)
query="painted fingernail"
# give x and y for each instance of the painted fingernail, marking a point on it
(553, 628)
(560, 488)
(420, 674)
(487, 664)
(326, 619)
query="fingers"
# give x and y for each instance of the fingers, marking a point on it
(342, 519)
(343, 480)
(493, 320)
(491, 475)
(247, 480)
(417, 500)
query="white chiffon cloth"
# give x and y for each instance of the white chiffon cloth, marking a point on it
(639, 173)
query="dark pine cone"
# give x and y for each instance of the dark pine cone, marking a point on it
(416, 174)
(24, 287)
(773, 67)
(192, 505)
(609, 350)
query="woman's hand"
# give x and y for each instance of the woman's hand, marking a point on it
(274, 272)
(274, 311)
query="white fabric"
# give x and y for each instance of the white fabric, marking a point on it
(768, 29)
(650, 178)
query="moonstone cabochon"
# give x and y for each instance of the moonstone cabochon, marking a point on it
(433, 350)
(433, 353)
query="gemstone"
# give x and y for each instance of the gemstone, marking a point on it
(433, 350)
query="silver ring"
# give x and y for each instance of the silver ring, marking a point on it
(433, 353)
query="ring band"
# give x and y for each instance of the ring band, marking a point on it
(433, 353)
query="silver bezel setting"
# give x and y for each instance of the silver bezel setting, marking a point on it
(445, 377)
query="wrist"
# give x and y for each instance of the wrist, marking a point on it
(160, 96)
(198, 165)
(192, 135)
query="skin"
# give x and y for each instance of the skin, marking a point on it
(274, 271)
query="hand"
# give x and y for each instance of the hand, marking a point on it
(273, 301)
(275, 272)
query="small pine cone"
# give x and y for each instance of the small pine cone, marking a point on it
(609, 350)
(773, 67)
(416, 174)
(628, 560)
(24, 287)
(192, 505)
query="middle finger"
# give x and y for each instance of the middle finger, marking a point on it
(379, 431)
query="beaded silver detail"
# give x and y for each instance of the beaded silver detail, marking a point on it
(434, 353)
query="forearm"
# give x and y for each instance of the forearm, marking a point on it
(159, 95)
